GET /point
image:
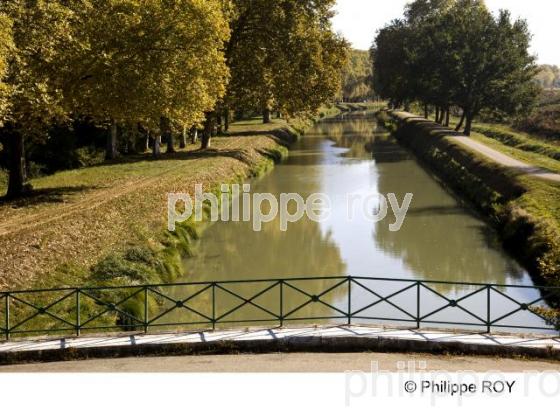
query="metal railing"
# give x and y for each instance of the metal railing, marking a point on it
(342, 300)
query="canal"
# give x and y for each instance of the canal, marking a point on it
(441, 239)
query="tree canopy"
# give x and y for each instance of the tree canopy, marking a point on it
(284, 55)
(456, 53)
(6, 48)
(357, 77)
(157, 66)
(548, 76)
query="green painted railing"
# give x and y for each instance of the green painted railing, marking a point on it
(342, 300)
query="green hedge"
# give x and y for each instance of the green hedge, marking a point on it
(493, 190)
(520, 141)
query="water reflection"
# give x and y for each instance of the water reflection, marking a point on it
(440, 239)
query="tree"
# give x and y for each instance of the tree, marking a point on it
(40, 30)
(492, 74)
(456, 53)
(391, 72)
(6, 49)
(357, 77)
(148, 61)
(548, 76)
(430, 82)
(282, 55)
(311, 60)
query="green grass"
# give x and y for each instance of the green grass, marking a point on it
(107, 224)
(525, 147)
(523, 141)
(532, 158)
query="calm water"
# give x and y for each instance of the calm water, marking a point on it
(441, 239)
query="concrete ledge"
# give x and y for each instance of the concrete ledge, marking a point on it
(307, 339)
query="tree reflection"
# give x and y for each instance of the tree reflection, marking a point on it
(440, 239)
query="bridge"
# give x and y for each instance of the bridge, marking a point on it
(345, 300)
(334, 314)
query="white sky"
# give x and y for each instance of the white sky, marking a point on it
(358, 21)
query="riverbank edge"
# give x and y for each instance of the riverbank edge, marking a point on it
(490, 188)
(161, 261)
(177, 245)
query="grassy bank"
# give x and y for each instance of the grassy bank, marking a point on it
(106, 225)
(525, 210)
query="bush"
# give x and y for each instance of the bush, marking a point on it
(115, 268)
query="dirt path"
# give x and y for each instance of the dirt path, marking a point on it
(294, 362)
(87, 203)
(104, 209)
(494, 155)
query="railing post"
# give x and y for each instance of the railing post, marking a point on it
(281, 303)
(7, 315)
(349, 312)
(213, 305)
(488, 309)
(78, 319)
(146, 310)
(418, 305)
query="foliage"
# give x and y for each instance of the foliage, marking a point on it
(6, 48)
(145, 70)
(357, 77)
(283, 55)
(456, 53)
(545, 119)
(40, 30)
(138, 60)
(548, 76)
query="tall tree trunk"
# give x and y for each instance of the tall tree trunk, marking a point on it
(208, 130)
(266, 116)
(437, 113)
(458, 127)
(17, 178)
(447, 117)
(194, 135)
(147, 142)
(183, 142)
(156, 150)
(468, 126)
(167, 134)
(219, 127)
(226, 119)
(111, 149)
(426, 111)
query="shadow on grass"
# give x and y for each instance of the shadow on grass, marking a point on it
(44, 195)
(57, 195)
(282, 136)
(238, 154)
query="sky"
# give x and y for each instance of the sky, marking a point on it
(358, 21)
